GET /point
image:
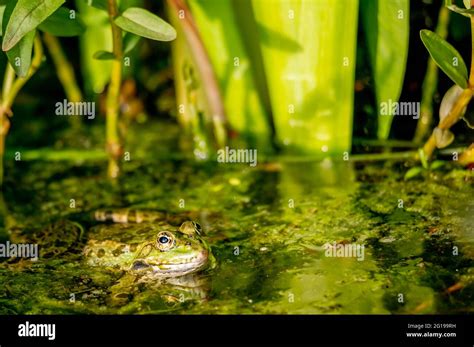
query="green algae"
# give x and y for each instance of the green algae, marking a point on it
(267, 226)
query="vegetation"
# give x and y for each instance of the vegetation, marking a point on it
(278, 78)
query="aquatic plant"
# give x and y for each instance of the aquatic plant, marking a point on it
(21, 22)
(286, 68)
(136, 22)
(456, 99)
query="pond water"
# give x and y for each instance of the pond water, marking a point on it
(268, 227)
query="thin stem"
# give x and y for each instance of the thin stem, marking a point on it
(20, 81)
(113, 142)
(64, 71)
(205, 70)
(430, 83)
(8, 80)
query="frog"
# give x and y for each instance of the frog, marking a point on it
(154, 247)
(126, 253)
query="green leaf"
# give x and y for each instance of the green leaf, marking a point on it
(446, 57)
(413, 172)
(465, 12)
(145, 24)
(129, 42)
(104, 55)
(26, 16)
(387, 29)
(19, 55)
(63, 22)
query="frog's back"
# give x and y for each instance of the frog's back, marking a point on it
(114, 245)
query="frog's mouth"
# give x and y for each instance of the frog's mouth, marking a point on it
(176, 267)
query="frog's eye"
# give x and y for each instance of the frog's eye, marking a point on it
(197, 228)
(164, 241)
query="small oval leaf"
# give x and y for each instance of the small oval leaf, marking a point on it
(26, 16)
(413, 172)
(446, 57)
(20, 54)
(63, 22)
(435, 165)
(145, 24)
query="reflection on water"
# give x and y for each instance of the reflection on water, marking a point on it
(269, 228)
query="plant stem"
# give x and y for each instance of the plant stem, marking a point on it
(430, 83)
(114, 147)
(8, 80)
(65, 72)
(11, 88)
(461, 103)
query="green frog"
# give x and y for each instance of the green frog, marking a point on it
(150, 250)
(143, 242)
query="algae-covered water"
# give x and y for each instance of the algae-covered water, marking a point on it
(269, 227)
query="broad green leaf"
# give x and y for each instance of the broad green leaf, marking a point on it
(468, 11)
(387, 27)
(310, 71)
(19, 55)
(129, 42)
(63, 22)
(446, 57)
(26, 16)
(413, 172)
(104, 55)
(143, 23)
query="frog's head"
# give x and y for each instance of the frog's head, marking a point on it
(174, 253)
